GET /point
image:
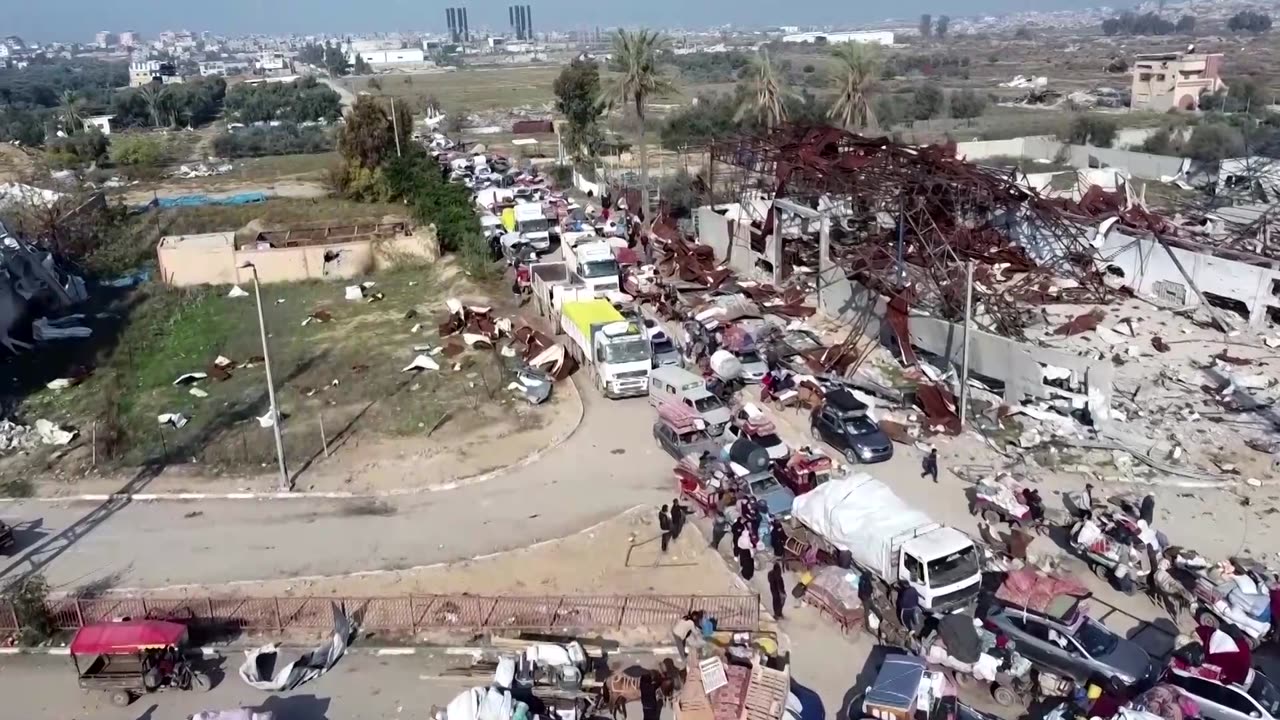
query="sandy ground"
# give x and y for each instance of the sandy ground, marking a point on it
(383, 464)
(214, 188)
(620, 556)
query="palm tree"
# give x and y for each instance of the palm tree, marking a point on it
(766, 101)
(154, 98)
(637, 79)
(855, 81)
(71, 108)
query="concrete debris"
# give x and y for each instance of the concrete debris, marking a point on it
(197, 392)
(354, 292)
(174, 420)
(1159, 344)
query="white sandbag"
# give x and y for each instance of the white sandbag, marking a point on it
(725, 365)
(496, 705)
(466, 706)
(505, 674)
(548, 654)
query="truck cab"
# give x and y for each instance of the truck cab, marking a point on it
(593, 262)
(533, 225)
(622, 359)
(943, 566)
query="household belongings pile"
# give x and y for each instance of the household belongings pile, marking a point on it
(561, 664)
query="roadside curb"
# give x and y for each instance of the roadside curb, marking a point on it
(456, 484)
(221, 651)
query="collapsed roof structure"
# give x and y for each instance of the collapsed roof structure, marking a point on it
(903, 220)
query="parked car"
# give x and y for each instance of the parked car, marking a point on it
(842, 422)
(664, 351)
(1075, 645)
(1255, 698)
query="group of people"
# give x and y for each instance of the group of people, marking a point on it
(671, 522)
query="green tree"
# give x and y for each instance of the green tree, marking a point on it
(859, 66)
(766, 99)
(154, 99)
(968, 104)
(577, 90)
(637, 80)
(335, 61)
(78, 150)
(368, 141)
(1215, 141)
(21, 126)
(138, 152)
(361, 67)
(927, 101)
(1096, 130)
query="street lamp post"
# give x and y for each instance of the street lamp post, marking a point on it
(285, 483)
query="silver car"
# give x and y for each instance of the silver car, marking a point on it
(1256, 698)
(1078, 647)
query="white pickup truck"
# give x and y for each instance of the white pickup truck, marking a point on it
(533, 225)
(862, 518)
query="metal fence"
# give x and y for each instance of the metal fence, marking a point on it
(411, 613)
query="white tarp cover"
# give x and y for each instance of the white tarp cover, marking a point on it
(261, 668)
(862, 516)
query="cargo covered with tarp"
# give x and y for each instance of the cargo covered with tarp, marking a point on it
(1054, 595)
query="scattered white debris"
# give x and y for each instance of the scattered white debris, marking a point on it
(421, 362)
(175, 420)
(354, 292)
(60, 384)
(197, 392)
(50, 434)
(237, 291)
(269, 419)
(188, 378)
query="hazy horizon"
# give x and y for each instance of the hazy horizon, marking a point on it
(78, 20)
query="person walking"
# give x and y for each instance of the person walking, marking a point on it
(909, 612)
(664, 524)
(930, 465)
(778, 540)
(746, 561)
(677, 518)
(777, 589)
(719, 526)
(686, 632)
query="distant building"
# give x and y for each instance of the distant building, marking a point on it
(398, 56)
(149, 71)
(213, 68)
(273, 62)
(102, 122)
(130, 39)
(882, 37)
(103, 39)
(1167, 81)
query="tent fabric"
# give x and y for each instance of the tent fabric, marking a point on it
(960, 637)
(129, 635)
(861, 516)
(1235, 663)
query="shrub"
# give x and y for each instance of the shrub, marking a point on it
(78, 150)
(287, 139)
(138, 153)
(968, 104)
(30, 598)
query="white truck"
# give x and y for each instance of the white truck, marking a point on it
(593, 262)
(615, 350)
(861, 518)
(552, 284)
(533, 225)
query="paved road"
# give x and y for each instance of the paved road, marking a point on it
(608, 466)
(347, 97)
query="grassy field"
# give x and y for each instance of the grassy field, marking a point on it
(310, 211)
(469, 90)
(345, 372)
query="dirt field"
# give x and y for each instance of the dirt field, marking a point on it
(469, 90)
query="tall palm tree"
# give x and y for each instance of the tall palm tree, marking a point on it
(859, 66)
(154, 98)
(71, 108)
(636, 80)
(766, 101)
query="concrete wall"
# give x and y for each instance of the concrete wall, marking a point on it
(1031, 147)
(1040, 147)
(1139, 165)
(1019, 365)
(1148, 269)
(208, 263)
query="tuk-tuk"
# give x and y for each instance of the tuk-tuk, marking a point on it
(131, 658)
(805, 470)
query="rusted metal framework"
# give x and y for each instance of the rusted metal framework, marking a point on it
(905, 219)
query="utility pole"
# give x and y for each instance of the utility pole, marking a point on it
(395, 126)
(902, 230)
(285, 484)
(964, 351)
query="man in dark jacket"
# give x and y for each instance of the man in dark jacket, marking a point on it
(930, 465)
(677, 518)
(664, 524)
(650, 705)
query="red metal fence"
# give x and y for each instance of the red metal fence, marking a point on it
(411, 613)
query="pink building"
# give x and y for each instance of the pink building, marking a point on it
(1164, 81)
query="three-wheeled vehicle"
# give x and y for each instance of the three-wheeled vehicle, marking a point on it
(134, 657)
(805, 470)
(6, 538)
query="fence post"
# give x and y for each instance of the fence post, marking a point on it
(622, 616)
(209, 604)
(279, 621)
(413, 616)
(79, 614)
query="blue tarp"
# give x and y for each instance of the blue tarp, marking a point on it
(181, 201)
(897, 683)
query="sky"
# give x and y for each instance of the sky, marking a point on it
(78, 20)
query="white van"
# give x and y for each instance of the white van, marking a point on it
(670, 384)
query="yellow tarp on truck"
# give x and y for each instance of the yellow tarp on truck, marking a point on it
(586, 313)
